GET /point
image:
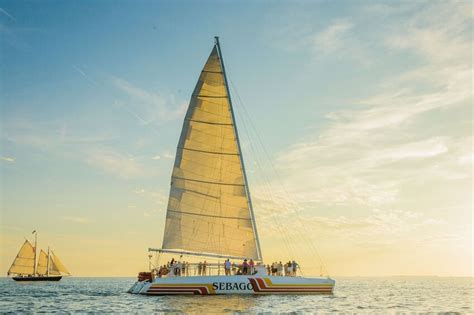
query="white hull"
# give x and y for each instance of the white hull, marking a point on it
(257, 284)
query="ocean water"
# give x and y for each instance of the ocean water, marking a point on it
(362, 295)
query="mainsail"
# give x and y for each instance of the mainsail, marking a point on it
(24, 263)
(42, 266)
(209, 209)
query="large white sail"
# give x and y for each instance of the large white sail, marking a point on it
(208, 208)
(24, 263)
(42, 265)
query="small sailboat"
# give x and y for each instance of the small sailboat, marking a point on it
(210, 211)
(28, 266)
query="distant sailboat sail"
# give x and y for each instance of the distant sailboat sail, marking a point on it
(24, 263)
(42, 266)
(209, 209)
(57, 266)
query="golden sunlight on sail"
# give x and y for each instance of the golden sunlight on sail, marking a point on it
(24, 263)
(42, 266)
(208, 208)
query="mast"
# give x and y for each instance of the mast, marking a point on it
(36, 243)
(47, 264)
(247, 191)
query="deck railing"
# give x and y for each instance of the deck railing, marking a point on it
(180, 269)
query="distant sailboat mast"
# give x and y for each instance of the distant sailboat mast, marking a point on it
(36, 246)
(47, 264)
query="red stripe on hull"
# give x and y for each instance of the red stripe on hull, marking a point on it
(259, 286)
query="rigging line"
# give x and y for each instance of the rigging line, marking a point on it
(295, 209)
(299, 235)
(311, 245)
(267, 194)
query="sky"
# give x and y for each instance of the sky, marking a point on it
(355, 120)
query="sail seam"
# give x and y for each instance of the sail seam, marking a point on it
(210, 152)
(209, 122)
(206, 182)
(209, 215)
(210, 96)
(208, 71)
(197, 192)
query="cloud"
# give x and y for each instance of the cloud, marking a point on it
(148, 107)
(117, 164)
(389, 140)
(165, 155)
(379, 173)
(332, 38)
(168, 156)
(48, 135)
(7, 159)
(442, 24)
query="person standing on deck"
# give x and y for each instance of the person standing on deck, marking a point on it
(199, 269)
(294, 267)
(251, 266)
(204, 265)
(227, 267)
(245, 267)
(177, 270)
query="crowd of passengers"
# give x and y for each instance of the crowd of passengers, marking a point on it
(248, 267)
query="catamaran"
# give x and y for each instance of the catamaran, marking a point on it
(28, 266)
(210, 211)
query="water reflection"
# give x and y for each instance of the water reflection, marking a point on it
(354, 295)
(201, 303)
